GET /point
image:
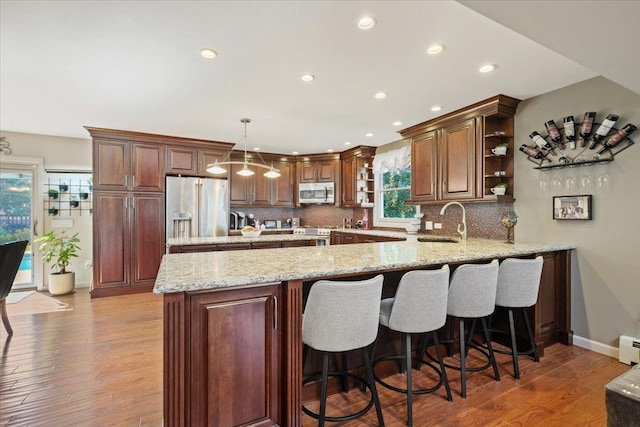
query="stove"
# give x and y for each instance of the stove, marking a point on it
(312, 231)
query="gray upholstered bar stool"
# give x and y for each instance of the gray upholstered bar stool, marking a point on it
(518, 285)
(418, 307)
(472, 295)
(339, 317)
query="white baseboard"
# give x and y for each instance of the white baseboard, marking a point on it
(598, 347)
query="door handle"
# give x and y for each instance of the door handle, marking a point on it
(35, 225)
(275, 312)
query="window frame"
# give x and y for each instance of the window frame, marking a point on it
(378, 219)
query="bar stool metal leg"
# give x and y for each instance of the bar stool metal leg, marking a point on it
(532, 338)
(323, 389)
(374, 392)
(514, 347)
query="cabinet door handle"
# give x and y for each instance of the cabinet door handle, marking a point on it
(35, 227)
(275, 312)
(126, 180)
(134, 181)
(126, 203)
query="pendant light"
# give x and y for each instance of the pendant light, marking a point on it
(216, 169)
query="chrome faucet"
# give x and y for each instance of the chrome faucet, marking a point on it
(461, 231)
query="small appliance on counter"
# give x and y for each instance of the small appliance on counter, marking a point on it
(237, 220)
(270, 223)
(250, 220)
(295, 222)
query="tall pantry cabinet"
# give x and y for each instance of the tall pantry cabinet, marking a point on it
(128, 212)
(129, 171)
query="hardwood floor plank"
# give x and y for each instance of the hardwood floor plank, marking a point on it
(77, 361)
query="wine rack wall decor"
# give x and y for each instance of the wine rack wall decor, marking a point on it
(75, 196)
(574, 143)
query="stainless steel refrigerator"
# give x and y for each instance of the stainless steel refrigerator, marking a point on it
(196, 207)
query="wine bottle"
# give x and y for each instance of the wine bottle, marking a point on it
(570, 131)
(586, 127)
(554, 134)
(531, 152)
(542, 143)
(617, 137)
(603, 130)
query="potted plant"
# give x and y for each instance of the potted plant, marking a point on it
(53, 193)
(53, 211)
(59, 249)
(90, 182)
(63, 186)
(73, 201)
(83, 195)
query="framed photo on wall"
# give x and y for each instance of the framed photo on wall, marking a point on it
(572, 207)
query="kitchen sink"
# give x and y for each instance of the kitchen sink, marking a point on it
(439, 239)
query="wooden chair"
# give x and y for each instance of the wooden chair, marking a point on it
(10, 256)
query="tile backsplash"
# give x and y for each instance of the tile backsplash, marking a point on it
(483, 219)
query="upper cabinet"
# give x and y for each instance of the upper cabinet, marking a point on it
(125, 165)
(257, 190)
(452, 157)
(319, 168)
(357, 176)
(193, 161)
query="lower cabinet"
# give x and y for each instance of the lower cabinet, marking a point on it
(240, 246)
(232, 349)
(344, 238)
(128, 247)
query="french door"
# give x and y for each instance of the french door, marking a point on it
(19, 216)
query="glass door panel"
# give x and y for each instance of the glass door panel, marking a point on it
(16, 217)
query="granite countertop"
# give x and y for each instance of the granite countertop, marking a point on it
(227, 240)
(214, 270)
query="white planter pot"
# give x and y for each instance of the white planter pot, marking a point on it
(61, 284)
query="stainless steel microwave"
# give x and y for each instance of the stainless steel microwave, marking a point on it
(316, 192)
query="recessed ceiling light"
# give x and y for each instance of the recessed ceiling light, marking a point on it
(487, 68)
(366, 22)
(208, 53)
(397, 123)
(369, 135)
(330, 150)
(295, 152)
(436, 108)
(435, 48)
(347, 143)
(307, 77)
(256, 148)
(380, 95)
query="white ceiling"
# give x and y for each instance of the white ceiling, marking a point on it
(134, 65)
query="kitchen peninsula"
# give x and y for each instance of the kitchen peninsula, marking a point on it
(232, 322)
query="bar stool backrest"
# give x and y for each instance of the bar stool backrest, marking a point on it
(472, 291)
(342, 316)
(420, 303)
(518, 282)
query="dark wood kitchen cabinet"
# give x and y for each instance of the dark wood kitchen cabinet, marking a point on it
(129, 243)
(193, 161)
(228, 382)
(356, 188)
(125, 165)
(129, 171)
(451, 156)
(257, 190)
(319, 168)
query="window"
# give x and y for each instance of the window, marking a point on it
(393, 187)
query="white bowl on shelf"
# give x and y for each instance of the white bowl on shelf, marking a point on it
(250, 233)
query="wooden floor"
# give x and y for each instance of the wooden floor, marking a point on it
(76, 361)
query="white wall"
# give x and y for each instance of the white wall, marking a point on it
(605, 299)
(60, 154)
